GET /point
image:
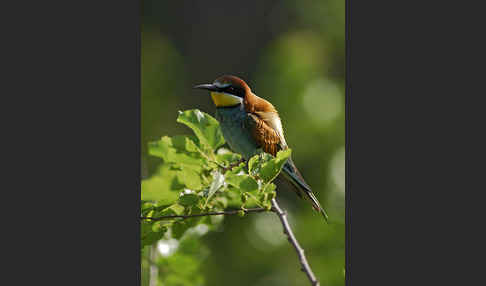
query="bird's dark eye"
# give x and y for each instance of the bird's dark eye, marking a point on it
(233, 90)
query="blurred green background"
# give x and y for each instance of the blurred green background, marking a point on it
(291, 53)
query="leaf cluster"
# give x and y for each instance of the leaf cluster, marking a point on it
(199, 175)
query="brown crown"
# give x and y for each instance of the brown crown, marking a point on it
(233, 80)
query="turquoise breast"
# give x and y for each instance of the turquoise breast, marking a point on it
(235, 130)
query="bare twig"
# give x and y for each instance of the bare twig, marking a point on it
(290, 235)
(230, 212)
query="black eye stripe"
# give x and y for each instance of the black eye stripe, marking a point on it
(234, 90)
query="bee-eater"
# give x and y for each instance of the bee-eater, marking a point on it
(251, 125)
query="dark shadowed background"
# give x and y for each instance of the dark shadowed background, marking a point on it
(291, 53)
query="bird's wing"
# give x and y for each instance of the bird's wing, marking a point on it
(267, 121)
(273, 120)
(266, 137)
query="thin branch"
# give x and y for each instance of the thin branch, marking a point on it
(230, 212)
(290, 235)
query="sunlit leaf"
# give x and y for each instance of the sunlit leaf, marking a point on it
(190, 178)
(204, 126)
(218, 180)
(179, 150)
(228, 158)
(243, 182)
(163, 187)
(272, 168)
(175, 209)
(255, 163)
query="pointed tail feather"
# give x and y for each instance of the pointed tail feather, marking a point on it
(316, 205)
(293, 175)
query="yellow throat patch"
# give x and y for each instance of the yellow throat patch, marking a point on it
(224, 99)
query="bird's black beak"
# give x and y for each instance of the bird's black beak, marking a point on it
(210, 87)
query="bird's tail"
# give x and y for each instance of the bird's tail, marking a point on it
(303, 190)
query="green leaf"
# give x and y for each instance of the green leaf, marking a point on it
(243, 182)
(272, 168)
(204, 126)
(189, 199)
(185, 142)
(218, 180)
(227, 157)
(191, 179)
(234, 197)
(146, 207)
(237, 169)
(147, 235)
(164, 187)
(162, 226)
(180, 150)
(267, 195)
(175, 209)
(255, 163)
(221, 202)
(269, 188)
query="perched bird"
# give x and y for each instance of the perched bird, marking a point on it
(250, 125)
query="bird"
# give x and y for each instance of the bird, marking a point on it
(251, 125)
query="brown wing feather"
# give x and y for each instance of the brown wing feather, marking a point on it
(267, 129)
(264, 135)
